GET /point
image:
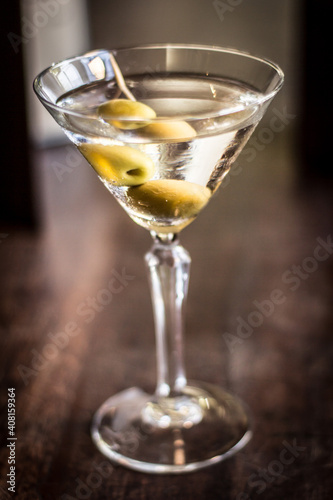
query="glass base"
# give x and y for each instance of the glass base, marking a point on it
(199, 427)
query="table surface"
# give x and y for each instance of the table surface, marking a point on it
(264, 240)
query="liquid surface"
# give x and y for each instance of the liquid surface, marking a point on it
(194, 140)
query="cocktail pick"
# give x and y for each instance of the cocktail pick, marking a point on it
(120, 79)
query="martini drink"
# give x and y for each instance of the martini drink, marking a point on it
(155, 155)
(161, 135)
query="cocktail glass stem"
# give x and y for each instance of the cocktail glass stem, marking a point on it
(169, 270)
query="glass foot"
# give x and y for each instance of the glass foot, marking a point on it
(201, 426)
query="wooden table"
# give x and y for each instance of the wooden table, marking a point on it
(262, 256)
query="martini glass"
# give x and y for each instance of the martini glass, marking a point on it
(161, 126)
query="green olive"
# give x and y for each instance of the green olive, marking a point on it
(121, 165)
(169, 129)
(125, 108)
(169, 198)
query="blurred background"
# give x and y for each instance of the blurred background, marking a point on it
(62, 235)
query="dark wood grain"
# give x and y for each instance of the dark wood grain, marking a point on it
(243, 248)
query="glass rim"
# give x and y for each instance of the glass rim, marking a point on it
(260, 100)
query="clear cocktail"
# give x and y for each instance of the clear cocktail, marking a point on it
(161, 136)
